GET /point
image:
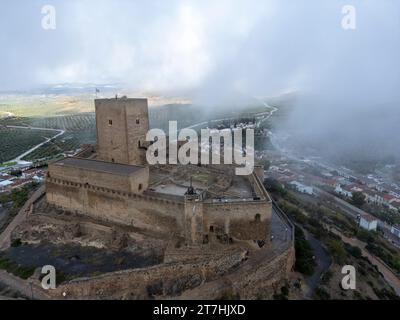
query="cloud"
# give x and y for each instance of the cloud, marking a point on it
(157, 46)
(209, 47)
(220, 51)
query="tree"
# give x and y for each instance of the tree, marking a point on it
(337, 250)
(355, 252)
(358, 199)
(305, 262)
(275, 186)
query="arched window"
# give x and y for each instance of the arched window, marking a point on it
(211, 228)
(257, 217)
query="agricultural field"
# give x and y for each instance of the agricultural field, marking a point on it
(62, 113)
(15, 142)
(74, 123)
(68, 142)
(37, 106)
(79, 129)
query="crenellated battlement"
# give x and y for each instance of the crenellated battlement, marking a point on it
(148, 195)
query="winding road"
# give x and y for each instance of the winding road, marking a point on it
(268, 114)
(19, 158)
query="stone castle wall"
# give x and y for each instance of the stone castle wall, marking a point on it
(229, 271)
(169, 279)
(110, 205)
(135, 182)
(242, 220)
(266, 279)
(245, 220)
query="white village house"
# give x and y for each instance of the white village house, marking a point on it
(345, 191)
(302, 188)
(368, 222)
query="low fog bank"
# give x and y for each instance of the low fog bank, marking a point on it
(343, 131)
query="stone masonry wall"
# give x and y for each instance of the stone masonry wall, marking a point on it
(243, 220)
(109, 205)
(163, 280)
(121, 125)
(267, 278)
(248, 220)
(136, 182)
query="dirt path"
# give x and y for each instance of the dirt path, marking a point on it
(387, 273)
(323, 261)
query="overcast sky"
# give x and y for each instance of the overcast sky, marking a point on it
(212, 50)
(215, 47)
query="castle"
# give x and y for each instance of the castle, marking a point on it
(112, 181)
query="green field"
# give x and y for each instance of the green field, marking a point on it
(38, 106)
(14, 142)
(8, 164)
(75, 115)
(64, 143)
(80, 129)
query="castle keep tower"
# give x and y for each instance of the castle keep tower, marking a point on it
(122, 125)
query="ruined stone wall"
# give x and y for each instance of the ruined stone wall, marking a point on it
(169, 279)
(267, 278)
(229, 271)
